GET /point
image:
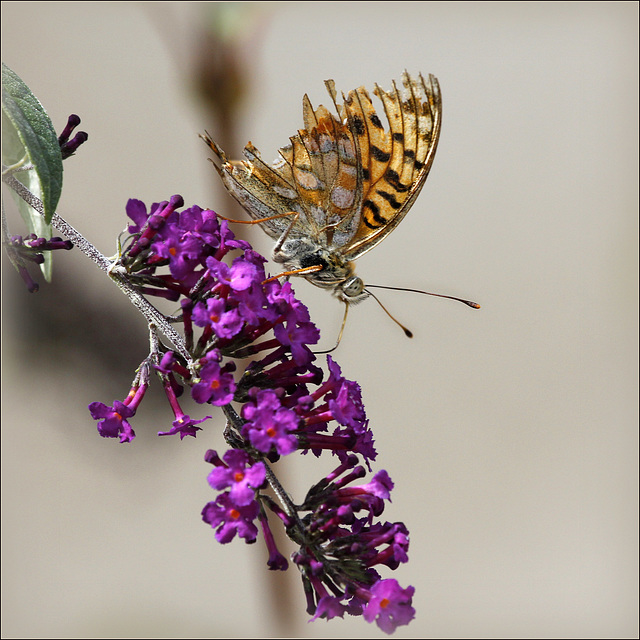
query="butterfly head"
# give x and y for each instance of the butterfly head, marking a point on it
(338, 276)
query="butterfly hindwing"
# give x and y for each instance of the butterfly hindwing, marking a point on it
(262, 190)
(323, 164)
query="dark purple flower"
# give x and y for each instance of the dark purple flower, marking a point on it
(72, 122)
(40, 244)
(389, 605)
(347, 407)
(269, 424)
(230, 518)
(216, 384)
(69, 147)
(113, 420)
(228, 240)
(238, 473)
(137, 211)
(144, 231)
(276, 561)
(395, 537)
(182, 252)
(202, 224)
(329, 607)
(345, 398)
(284, 300)
(185, 426)
(213, 312)
(254, 307)
(167, 363)
(380, 485)
(239, 276)
(297, 335)
(363, 443)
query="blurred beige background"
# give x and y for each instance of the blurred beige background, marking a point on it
(510, 432)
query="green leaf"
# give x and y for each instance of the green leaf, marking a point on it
(29, 137)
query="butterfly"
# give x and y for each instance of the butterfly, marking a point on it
(343, 184)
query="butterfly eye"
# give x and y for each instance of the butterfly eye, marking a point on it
(353, 287)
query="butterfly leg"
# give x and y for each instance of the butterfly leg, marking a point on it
(296, 272)
(285, 234)
(344, 322)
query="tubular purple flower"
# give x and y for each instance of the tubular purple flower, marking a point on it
(297, 335)
(230, 519)
(396, 537)
(216, 385)
(112, 421)
(239, 276)
(269, 424)
(238, 473)
(389, 605)
(213, 312)
(185, 426)
(69, 147)
(276, 561)
(137, 211)
(31, 284)
(329, 607)
(157, 217)
(182, 253)
(72, 122)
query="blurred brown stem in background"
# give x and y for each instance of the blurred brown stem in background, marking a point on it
(222, 70)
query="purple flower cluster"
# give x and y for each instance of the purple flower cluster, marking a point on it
(229, 309)
(344, 544)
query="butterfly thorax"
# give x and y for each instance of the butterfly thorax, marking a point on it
(337, 273)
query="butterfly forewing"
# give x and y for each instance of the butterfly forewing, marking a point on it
(401, 158)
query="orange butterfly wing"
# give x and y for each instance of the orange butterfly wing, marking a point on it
(350, 181)
(394, 164)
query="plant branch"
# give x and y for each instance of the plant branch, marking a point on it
(152, 315)
(235, 421)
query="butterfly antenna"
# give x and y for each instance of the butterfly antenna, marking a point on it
(406, 331)
(469, 303)
(344, 322)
